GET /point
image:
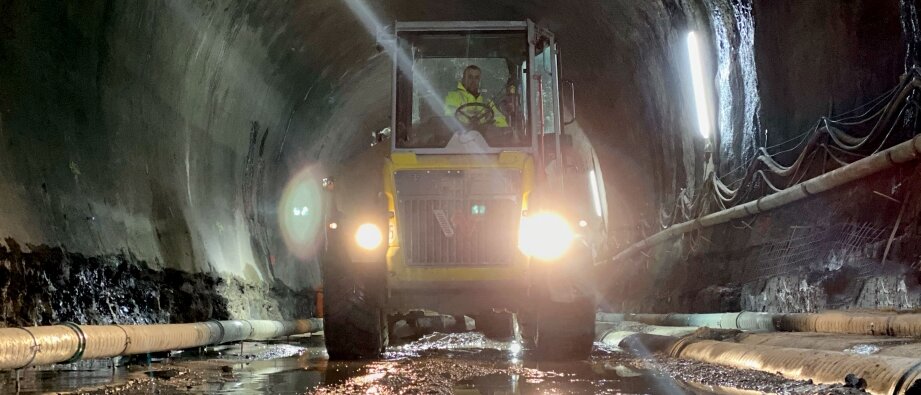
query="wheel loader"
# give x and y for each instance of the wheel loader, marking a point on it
(468, 206)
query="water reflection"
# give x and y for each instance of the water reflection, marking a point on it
(465, 363)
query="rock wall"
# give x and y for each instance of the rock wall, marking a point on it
(811, 59)
(141, 140)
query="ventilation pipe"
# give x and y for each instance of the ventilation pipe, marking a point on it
(68, 343)
(883, 374)
(898, 325)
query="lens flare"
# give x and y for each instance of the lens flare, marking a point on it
(515, 348)
(301, 214)
(369, 236)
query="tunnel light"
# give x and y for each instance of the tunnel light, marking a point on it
(697, 76)
(596, 193)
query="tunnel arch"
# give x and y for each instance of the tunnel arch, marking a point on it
(162, 134)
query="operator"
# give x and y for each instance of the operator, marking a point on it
(474, 111)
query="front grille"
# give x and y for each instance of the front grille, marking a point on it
(457, 218)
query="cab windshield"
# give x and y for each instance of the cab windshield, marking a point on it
(462, 86)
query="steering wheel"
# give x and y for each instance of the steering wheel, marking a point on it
(475, 114)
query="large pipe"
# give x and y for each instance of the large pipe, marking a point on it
(67, 343)
(902, 153)
(613, 333)
(899, 325)
(883, 374)
(876, 345)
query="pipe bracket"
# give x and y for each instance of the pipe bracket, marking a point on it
(81, 342)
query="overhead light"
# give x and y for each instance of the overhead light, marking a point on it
(596, 193)
(697, 77)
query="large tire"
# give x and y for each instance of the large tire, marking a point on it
(353, 323)
(565, 331)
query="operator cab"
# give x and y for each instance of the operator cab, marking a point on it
(439, 110)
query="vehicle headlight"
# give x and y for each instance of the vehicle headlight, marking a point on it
(544, 236)
(369, 236)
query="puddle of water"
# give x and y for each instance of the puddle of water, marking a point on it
(465, 363)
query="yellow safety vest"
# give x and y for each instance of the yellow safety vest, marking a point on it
(461, 96)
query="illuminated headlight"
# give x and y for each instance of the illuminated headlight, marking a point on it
(544, 236)
(369, 236)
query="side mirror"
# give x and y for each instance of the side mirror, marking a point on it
(572, 101)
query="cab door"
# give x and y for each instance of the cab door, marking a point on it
(544, 106)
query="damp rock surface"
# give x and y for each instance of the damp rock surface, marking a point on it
(45, 285)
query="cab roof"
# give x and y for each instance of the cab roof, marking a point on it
(441, 26)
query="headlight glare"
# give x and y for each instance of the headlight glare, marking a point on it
(368, 236)
(545, 236)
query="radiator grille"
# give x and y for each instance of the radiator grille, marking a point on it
(458, 218)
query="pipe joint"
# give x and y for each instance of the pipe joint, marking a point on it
(81, 342)
(35, 348)
(127, 339)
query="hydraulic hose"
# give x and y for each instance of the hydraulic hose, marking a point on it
(67, 343)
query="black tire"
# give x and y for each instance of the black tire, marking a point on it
(565, 331)
(353, 323)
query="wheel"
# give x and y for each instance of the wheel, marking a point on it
(354, 324)
(565, 330)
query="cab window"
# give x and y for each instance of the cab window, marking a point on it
(435, 102)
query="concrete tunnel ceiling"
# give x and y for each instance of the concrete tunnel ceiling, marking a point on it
(161, 135)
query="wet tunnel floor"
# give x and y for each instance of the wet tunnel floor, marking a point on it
(464, 363)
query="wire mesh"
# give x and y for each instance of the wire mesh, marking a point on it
(806, 248)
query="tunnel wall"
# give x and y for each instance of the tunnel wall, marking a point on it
(145, 141)
(811, 59)
(134, 138)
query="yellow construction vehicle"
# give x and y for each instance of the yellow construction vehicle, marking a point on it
(472, 213)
